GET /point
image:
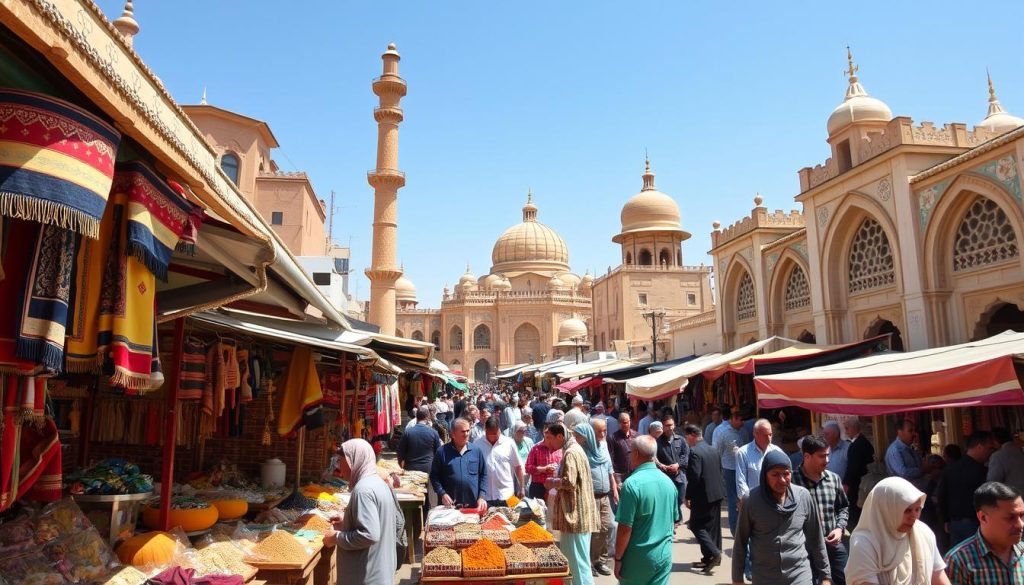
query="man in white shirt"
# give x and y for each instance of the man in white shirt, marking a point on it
(501, 458)
(750, 456)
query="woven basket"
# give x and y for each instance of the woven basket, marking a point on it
(483, 572)
(436, 538)
(516, 568)
(432, 570)
(502, 538)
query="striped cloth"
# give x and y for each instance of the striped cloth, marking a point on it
(192, 378)
(574, 509)
(56, 161)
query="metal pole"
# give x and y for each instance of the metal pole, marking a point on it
(171, 429)
(654, 338)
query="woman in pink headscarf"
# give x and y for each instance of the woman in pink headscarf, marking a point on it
(367, 532)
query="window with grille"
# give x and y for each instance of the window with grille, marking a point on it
(984, 237)
(798, 293)
(745, 306)
(871, 261)
(482, 337)
(455, 338)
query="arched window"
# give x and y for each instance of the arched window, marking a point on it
(985, 237)
(665, 257)
(417, 335)
(435, 338)
(629, 258)
(871, 262)
(455, 338)
(807, 337)
(399, 333)
(645, 257)
(527, 343)
(745, 305)
(482, 337)
(229, 163)
(798, 293)
(481, 370)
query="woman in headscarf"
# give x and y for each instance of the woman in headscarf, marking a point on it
(367, 532)
(590, 436)
(891, 546)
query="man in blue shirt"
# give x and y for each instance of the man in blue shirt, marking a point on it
(901, 458)
(458, 474)
(419, 443)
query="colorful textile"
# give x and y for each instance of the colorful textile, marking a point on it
(301, 396)
(56, 162)
(157, 216)
(192, 377)
(187, 241)
(10, 432)
(244, 376)
(44, 310)
(213, 393)
(30, 457)
(17, 262)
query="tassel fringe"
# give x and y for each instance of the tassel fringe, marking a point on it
(140, 253)
(49, 212)
(40, 352)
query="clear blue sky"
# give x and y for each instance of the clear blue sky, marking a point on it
(729, 98)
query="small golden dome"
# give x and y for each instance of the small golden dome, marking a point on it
(529, 245)
(571, 328)
(405, 290)
(650, 210)
(858, 105)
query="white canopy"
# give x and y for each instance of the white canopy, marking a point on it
(574, 370)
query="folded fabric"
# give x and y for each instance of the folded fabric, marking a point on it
(56, 161)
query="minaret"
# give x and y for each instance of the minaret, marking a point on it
(386, 180)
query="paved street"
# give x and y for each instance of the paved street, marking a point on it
(684, 552)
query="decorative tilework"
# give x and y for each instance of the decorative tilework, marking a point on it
(1004, 170)
(926, 200)
(773, 258)
(800, 248)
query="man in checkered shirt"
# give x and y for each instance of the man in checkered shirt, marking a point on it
(830, 500)
(995, 554)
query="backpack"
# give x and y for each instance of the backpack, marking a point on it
(877, 471)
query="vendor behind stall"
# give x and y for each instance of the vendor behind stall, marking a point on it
(458, 474)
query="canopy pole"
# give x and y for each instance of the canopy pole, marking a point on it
(171, 427)
(300, 456)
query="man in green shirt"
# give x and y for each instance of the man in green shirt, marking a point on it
(646, 517)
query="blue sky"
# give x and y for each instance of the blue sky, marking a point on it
(729, 99)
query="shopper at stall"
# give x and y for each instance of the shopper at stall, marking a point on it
(995, 554)
(592, 438)
(620, 443)
(705, 491)
(504, 467)
(540, 411)
(532, 433)
(901, 458)
(955, 492)
(459, 474)
(367, 532)
(727, 441)
(838, 448)
(1007, 464)
(860, 454)
(541, 464)
(891, 545)
(655, 430)
(646, 516)
(573, 507)
(673, 455)
(826, 489)
(716, 420)
(780, 524)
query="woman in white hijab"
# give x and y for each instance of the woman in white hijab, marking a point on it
(890, 546)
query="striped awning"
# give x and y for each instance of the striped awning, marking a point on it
(979, 373)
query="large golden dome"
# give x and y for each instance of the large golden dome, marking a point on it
(529, 246)
(650, 210)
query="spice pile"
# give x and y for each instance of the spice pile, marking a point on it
(442, 562)
(520, 560)
(500, 537)
(483, 559)
(495, 522)
(222, 558)
(314, 522)
(550, 559)
(279, 547)
(532, 533)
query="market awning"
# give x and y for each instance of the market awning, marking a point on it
(511, 372)
(620, 375)
(588, 368)
(799, 356)
(243, 325)
(574, 386)
(979, 373)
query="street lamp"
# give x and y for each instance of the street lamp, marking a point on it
(577, 342)
(654, 318)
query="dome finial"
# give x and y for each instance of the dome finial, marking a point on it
(855, 89)
(648, 175)
(126, 23)
(529, 210)
(758, 200)
(994, 107)
(468, 271)
(202, 100)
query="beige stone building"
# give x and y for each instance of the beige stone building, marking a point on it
(530, 306)
(909, 229)
(285, 199)
(651, 279)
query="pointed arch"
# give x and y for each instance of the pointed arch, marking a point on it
(455, 338)
(847, 221)
(645, 258)
(526, 343)
(789, 262)
(665, 257)
(417, 335)
(481, 370)
(940, 235)
(435, 338)
(738, 268)
(482, 337)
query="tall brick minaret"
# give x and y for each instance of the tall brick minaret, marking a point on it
(386, 180)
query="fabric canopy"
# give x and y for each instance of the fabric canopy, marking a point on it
(979, 373)
(799, 356)
(585, 369)
(573, 386)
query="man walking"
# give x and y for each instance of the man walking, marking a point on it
(750, 456)
(605, 490)
(673, 455)
(573, 509)
(704, 494)
(504, 467)
(1007, 464)
(646, 516)
(838, 449)
(780, 525)
(458, 473)
(995, 554)
(418, 445)
(826, 489)
(620, 444)
(901, 458)
(956, 490)
(727, 441)
(716, 419)
(540, 410)
(860, 454)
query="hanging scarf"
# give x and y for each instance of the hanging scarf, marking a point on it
(232, 378)
(56, 162)
(301, 395)
(190, 234)
(213, 394)
(192, 377)
(157, 216)
(44, 310)
(245, 395)
(30, 457)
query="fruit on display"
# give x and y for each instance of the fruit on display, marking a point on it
(191, 514)
(149, 549)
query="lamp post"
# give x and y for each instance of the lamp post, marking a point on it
(654, 318)
(577, 342)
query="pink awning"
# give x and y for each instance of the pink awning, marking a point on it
(573, 386)
(980, 373)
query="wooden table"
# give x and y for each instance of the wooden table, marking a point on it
(412, 508)
(538, 579)
(289, 573)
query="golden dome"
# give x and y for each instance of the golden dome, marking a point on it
(650, 210)
(405, 290)
(529, 246)
(571, 328)
(556, 283)
(858, 105)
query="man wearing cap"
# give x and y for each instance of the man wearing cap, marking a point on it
(779, 522)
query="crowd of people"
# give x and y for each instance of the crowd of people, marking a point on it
(618, 488)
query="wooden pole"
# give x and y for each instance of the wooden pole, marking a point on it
(171, 427)
(300, 456)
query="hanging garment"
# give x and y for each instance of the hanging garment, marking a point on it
(44, 310)
(301, 395)
(157, 216)
(232, 379)
(17, 262)
(244, 377)
(57, 163)
(192, 377)
(10, 432)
